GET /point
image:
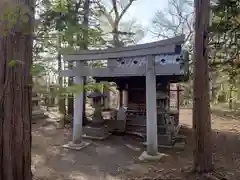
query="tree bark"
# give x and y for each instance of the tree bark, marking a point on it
(86, 7)
(230, 89)
(230, 98)
(70, 96)
(61, 99)
(15, 95)
(201, 107)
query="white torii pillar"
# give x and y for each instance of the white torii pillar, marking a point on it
(77, 142)
(151, 101)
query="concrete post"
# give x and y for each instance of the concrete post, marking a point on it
(78, 115)
(77, 143)
(151, 100)
(152, 153)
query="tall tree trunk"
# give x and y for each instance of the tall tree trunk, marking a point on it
(86, 7)
(116, 40)
(15, 95)
(230, 92)
(213, 90)
(230, 98)
(52, 96)
(70, 96)
(61, 98)
(231, 87)
(201, 107)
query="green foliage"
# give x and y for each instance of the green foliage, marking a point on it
(65, 17)
(225, 47)
(225, 33)
(13, 18)
(60, 30)
(76, 89)
(13, 63)
(38, 69)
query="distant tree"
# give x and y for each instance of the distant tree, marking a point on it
(64, 21)
(119, 32)
(225, 43)
(176, 20)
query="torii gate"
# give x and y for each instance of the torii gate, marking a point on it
(159, 58)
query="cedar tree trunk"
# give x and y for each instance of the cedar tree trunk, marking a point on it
(15, 90)
(201, 108)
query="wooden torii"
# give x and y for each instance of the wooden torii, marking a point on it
(149, 58)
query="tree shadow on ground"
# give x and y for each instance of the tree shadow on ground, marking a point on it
(116, 158)
(100, 160)
(234, 114)
(226, 152)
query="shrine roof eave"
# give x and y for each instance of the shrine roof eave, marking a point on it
(159, 78)
(167, 46)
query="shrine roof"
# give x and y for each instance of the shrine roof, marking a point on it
(167, 46)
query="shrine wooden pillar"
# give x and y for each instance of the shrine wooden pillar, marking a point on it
(178, 97)
(106, 94)
(124, 96)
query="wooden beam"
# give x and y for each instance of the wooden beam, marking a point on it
(170, 41)
(167, 46)
(68, 73)
(168, 69)
(169, 49)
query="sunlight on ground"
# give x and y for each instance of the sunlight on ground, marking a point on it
(108, 150)
(38, 159)
(77, 176)
(53, 150)
(116, 158)
(81, 176)
(68, 157)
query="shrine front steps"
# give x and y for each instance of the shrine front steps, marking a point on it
(165, 139)
(95, 133)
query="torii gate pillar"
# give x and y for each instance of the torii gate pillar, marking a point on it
(77, 142)
(151, 99)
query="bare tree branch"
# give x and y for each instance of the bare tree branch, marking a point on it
(107, 14)
(125, 9)
(114, 3)
(175, 21)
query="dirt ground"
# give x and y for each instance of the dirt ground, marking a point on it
(117, 157)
